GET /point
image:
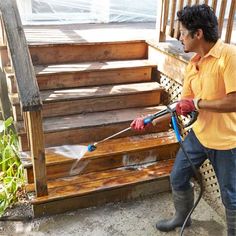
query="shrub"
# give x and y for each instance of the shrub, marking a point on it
(11, 169)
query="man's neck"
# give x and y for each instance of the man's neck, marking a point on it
(204, 48)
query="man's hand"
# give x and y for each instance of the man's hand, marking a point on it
(138, 124)
(185, 106)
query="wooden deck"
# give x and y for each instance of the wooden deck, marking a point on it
(88, 33)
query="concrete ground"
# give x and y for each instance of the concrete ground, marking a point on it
(132, 218)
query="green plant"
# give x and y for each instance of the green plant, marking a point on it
(11, 169)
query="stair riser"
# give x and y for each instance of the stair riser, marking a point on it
(84, 166)
(81, 79)
(113, 195)
(85, 135)
(149, 98)
(43, 55)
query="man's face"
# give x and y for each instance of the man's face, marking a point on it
(187, 40)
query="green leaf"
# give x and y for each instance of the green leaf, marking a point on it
(8, 122)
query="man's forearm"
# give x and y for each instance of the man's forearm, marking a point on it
(227, 104)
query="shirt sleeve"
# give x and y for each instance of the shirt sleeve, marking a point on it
(230, 72)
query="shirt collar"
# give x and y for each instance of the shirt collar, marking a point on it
(215, 52)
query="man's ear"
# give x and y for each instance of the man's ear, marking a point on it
(199, 34)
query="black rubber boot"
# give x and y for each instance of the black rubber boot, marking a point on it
(231, 222)
(183, 202)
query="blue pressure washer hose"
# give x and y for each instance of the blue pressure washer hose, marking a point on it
(196, 172)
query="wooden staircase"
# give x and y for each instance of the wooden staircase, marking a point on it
(89, 92)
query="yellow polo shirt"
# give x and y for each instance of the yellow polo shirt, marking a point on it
(210, 78)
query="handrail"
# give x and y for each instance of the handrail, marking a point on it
(20, 58)
(169, 26)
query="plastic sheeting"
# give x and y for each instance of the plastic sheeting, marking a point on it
(84, 11)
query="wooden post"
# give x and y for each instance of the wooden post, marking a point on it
(172, 18)
(177, 33)
(34, 121)
(230, 22)
(222, 15)
(2, 34)
(160, 34)
(4, 99)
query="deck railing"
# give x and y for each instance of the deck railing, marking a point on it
(14, 38)
(167, 25)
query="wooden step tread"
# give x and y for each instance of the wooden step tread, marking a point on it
(111, 147)
(54, 124)
(84, 185)
(49, 96)
(86, 66)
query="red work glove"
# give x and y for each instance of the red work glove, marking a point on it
(138, 124)
(185, 106)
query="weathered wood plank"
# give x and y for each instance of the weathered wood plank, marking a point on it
(27, 85)
(38, 153)
(91, 126)
(170, 59)
(68, 53)
(88, 74)
(95, 92)
(94, 99)
(106, 103)
(87, 134)
(122, 116)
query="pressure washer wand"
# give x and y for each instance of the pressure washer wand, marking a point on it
(92, 147)
(170, 108)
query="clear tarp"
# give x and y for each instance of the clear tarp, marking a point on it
(86, 11)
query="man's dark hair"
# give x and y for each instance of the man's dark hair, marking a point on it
(200, 17)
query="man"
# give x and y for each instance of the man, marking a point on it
(209, 87)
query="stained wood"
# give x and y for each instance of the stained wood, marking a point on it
(68, 53)
(28, 89)
(38, 153)
(100, 198)
(112, 154)
(129, 177)
(105, 176)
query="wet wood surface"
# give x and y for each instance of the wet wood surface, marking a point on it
(126, 177)
(100, 198)
(122, 152)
